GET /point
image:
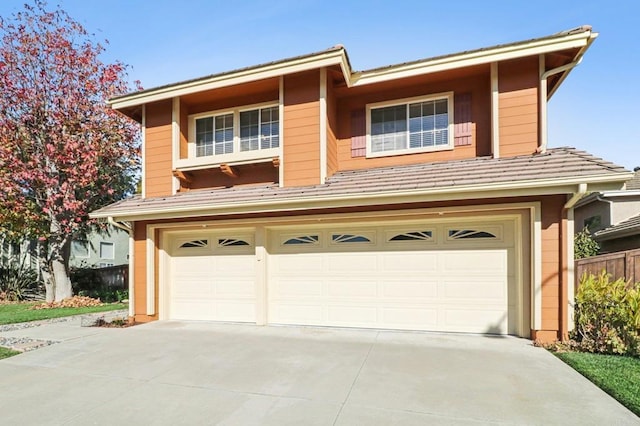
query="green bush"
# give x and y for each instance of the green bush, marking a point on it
(18, 282)
(607, 315)
(584, 245)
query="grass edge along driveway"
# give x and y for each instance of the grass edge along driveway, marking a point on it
(619, 376)
(12, 313)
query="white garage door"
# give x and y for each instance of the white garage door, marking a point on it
(212, 277)
(440, 277)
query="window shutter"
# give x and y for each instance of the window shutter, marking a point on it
(462, 119)
(358, 133)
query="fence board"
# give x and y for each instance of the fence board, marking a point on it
(623, 264)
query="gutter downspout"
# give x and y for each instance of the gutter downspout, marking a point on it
(129, 230)
(568, 304)
(543, 96)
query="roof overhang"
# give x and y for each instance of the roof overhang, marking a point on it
(537, 187)
(595, 196)
(338, 56)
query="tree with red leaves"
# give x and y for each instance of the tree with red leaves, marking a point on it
(63, 151)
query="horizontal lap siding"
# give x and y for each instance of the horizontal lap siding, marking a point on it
(157, 161)
(140, 271)
(301, 129)
(518, 106)
(552, 263)
(332, 128)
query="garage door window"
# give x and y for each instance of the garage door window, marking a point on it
(413, 236)
(304, 239)
(460, 234)
(231, 242)
(194, 244)
(350, 238)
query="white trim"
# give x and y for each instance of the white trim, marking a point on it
(495, 190)
(542, 106)
(150, 272)
(407, 101)
(281, 130)
(143, 150)
(570, 270)
(132, 269)
(484, 56)
(113, 246)
(323, 125)
(261, 275)
(536, 260)
(495, 111)
(175, 139)
(339, 57)
(237, 156)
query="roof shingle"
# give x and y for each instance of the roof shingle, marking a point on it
(556, 163)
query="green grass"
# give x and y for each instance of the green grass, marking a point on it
(6, 353)
(619, 376)
(22, 312)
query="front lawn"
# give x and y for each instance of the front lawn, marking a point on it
(6, 352)
(619, 376)
(22, 312)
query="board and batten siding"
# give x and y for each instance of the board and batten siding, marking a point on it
(301, 126)
(518, 106)
(158, 149)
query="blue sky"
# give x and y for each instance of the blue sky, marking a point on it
(597, 108)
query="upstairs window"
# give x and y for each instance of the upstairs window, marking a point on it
(259, 129)
(413, 125)
(237, 131)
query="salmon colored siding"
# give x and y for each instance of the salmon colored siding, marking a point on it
(352, 103)
(552, 263)
(301, 127)
(184, 130)
(157, 139)
(518, 106)
(250, 174)
(332, 128)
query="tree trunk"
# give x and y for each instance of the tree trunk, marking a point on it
(53, 257)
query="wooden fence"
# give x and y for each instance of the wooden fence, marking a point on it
(622, 264)
(116, 277)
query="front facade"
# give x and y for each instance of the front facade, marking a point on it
(420, 196)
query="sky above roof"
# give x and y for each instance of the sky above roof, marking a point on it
(597, 109)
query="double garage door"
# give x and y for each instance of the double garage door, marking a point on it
(422, 276)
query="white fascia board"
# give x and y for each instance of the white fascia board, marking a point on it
(533, 48)
(508, 189)
(270, 71)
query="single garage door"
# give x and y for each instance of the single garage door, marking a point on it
(440, 277)
(212, 277)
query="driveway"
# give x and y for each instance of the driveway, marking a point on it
(179, 373)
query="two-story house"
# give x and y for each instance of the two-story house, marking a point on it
(417, 196)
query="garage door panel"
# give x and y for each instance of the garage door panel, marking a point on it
(409, 289)
(293, 288)
(478, 290)
(234, 311)
(476, 320)
(354, 288)
(419, 318)
(192, 287)
(299, 264)
(238, 289)
(311, 314)
(341, 263)
(475, 261)
(406, 262)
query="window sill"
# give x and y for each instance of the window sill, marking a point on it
(235, 159)
(408, 151)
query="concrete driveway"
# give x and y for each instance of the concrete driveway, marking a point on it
(179, 373)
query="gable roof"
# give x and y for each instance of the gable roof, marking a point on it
(576, 38)
(625, 228)
(634, 182)
(559, 170)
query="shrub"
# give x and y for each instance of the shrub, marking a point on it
(88, 282)
(584, 245)
(18, 282)
(607, 315)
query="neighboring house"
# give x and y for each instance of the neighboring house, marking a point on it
(418, 196)
(101, 250)
(612, 217)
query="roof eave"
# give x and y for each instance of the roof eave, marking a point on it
(522, 188)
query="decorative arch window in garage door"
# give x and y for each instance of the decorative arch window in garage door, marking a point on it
(303, 239)
(232, 242)
(194, 244)
(413, 236)
(351, 238)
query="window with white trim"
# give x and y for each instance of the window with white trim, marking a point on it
(410, 125)
(107, 250)
(239, 130)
